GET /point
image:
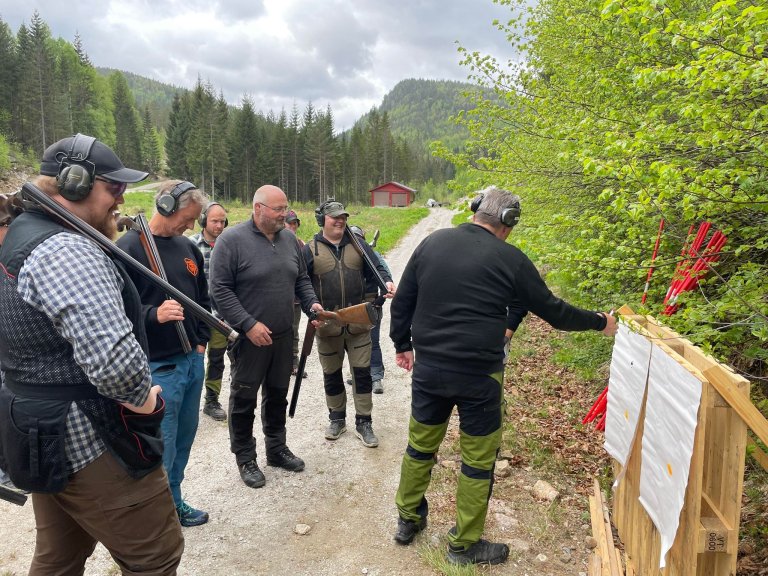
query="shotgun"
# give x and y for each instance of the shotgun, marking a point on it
(364, 313)
(32, 194)
(367, 259)
(306, 350)
(14, 496)
(156, 265)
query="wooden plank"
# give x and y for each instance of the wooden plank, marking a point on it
(628, 565)
(614, 568)
(760, 456)
(598, 531)
(595, 567)
(744, 408)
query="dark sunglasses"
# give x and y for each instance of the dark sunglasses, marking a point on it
(114, 188)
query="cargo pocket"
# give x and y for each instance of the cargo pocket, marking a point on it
(143, 432)
(32, 434)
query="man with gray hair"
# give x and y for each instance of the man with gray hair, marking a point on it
(256, 273)
(178, 366)
(462, 289)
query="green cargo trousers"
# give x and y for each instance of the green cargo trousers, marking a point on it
(478, 399)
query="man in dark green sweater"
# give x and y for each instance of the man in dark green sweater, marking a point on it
(452, 309)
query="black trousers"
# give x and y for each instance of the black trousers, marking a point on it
(259, 367)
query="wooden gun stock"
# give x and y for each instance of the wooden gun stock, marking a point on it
(364, 313)
(156, 265)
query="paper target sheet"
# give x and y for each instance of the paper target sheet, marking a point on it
(674, 395)
(626, 386)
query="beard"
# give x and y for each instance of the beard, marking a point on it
(107, 226)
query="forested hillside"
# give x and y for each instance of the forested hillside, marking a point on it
(626, 113)
(148, 93)
(423, 110)
(49, 89)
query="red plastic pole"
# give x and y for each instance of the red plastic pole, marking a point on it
(653, 259)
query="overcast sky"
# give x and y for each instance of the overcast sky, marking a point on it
(346, 53)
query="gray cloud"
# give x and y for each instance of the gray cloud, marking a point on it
(346, 53)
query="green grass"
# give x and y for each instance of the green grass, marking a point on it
(586, 352)
(392, 222)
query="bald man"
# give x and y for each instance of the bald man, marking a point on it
(256, 272)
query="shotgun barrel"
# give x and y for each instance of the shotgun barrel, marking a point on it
(33, 194)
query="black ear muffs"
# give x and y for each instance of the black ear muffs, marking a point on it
(476, 203)
(76, 173)
(509, 216)
(167, 204)
(320, 213)
(203, 220)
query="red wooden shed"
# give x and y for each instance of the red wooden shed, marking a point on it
(392, 194)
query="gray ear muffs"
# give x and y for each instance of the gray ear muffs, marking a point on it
(167, 204)
(76, 173)
(509, 216)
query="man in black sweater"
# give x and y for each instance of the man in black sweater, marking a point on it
(180, 372)
(461, 290)
(256, 273)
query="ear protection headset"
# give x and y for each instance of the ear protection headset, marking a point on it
(509, 216)
(203, 220)
(76, 173)
(167, 204)
(320, 211)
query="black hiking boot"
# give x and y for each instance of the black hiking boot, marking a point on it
(481, 552)
(212, 407)
(286, 460)
(251, 475)
(407, 530)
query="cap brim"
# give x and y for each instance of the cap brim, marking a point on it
(337, 213)
(127, 175)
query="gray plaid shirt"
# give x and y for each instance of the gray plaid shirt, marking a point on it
(70, 280)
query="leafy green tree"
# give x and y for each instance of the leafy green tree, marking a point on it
(627, 112)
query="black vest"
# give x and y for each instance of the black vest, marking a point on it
(42, 378)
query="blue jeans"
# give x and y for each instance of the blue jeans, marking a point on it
(181, 378)
(377, 362)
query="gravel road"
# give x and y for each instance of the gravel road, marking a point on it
(345, 494)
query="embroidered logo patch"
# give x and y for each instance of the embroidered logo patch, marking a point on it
(191, 266)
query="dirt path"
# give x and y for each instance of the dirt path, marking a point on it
(345, 494)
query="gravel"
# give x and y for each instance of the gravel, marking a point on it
(345, 495)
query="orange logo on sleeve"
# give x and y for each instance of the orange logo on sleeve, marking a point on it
(191, 266)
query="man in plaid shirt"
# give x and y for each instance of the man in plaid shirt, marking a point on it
(73, 351)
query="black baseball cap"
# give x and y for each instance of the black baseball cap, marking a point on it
(292, 217)
(101, 156)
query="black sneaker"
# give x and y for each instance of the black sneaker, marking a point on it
(251, 475)
(287, 460)
(407, 530)
(213, 409)
(481, 552)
